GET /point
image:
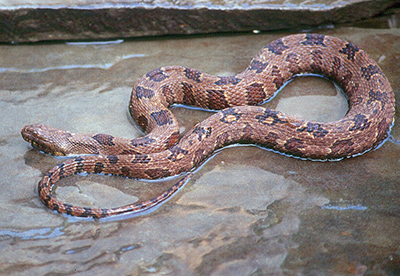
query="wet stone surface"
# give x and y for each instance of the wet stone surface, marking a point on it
(247, 211)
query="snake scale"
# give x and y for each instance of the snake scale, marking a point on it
(160, 153)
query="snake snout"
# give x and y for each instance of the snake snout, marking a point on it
(29, 132)
(41, 137)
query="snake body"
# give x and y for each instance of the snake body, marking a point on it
(160, 153)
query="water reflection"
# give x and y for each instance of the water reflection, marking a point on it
(44, 233)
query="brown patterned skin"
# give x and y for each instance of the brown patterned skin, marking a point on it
(160, 154)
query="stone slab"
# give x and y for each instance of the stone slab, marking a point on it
(35, 20)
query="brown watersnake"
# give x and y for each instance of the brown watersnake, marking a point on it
(160, 153)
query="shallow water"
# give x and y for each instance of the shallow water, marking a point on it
(247, 211)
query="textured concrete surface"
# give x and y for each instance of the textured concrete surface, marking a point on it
(31, 21)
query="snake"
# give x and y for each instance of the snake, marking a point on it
(238, 118)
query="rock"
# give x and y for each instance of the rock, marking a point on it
(96, 20)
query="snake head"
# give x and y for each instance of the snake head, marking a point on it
(46, 139)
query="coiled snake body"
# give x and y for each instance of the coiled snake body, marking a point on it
(161, 153)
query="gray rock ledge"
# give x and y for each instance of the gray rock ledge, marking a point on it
(98, 20)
